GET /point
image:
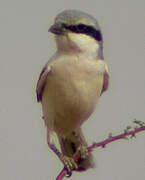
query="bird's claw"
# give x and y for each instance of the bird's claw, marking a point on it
(69, 165)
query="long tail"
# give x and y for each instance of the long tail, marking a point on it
(70, 145)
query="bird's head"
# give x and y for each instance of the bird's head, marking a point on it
(77, 31)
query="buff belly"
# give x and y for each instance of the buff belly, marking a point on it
(69, 98)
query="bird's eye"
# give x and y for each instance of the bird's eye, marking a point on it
(81, 26)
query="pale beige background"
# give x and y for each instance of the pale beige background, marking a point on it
(25, 46)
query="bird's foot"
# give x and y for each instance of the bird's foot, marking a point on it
(69, 165)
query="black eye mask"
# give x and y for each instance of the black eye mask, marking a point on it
(84, 29)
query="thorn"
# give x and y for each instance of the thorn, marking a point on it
(103, 145)
(110, 135)
(140, 123)
(128, 127)
(133, 135)
(125, 131)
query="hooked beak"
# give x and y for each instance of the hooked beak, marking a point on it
(57, 29)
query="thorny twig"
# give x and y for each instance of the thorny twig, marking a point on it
(129, 131)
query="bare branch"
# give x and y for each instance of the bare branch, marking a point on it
(129, 132)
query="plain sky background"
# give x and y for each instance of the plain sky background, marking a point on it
(25, 46)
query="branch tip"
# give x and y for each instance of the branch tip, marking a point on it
(125, 135)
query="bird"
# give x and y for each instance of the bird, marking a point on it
(70, 85)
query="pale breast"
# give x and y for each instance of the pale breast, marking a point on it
(71, 93)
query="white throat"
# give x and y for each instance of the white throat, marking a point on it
(77, 43)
